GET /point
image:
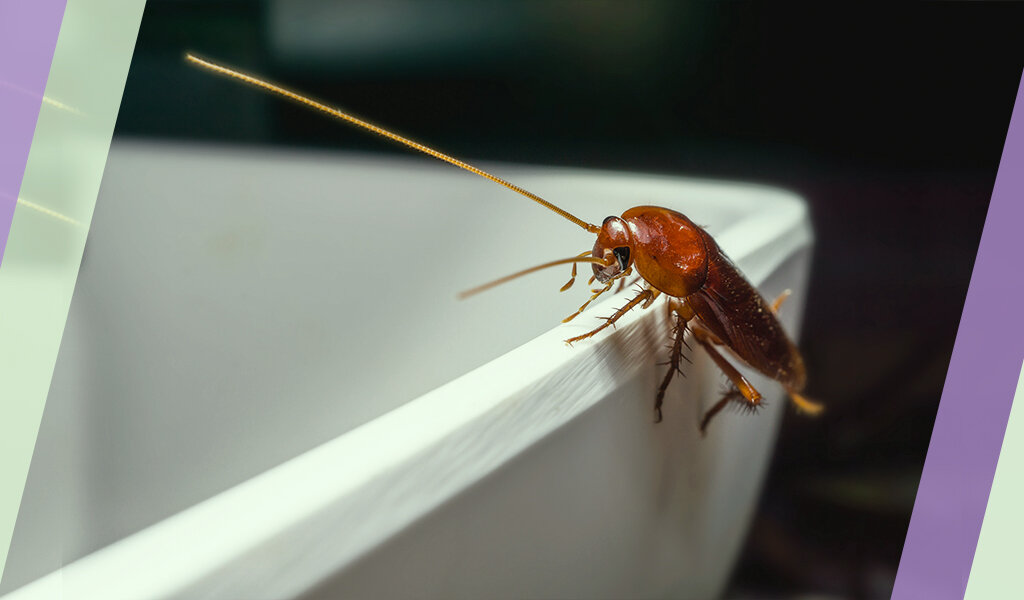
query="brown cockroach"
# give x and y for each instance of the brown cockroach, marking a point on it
(707, 295)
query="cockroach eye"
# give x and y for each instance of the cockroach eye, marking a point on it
(622, 255)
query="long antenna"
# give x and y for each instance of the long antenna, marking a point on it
(385, 133)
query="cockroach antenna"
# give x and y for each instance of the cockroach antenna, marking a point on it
(339, 114)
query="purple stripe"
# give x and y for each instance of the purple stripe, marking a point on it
(28, 35)
(976, 400)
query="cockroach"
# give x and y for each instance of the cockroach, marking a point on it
(706, 293)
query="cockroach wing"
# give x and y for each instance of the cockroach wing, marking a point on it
(733, 310)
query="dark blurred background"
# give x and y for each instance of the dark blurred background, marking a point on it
(889, 119)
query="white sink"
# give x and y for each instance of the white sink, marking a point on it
(268, 389)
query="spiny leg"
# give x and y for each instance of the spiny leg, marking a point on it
(682, 315)
(597, 293)
(740, 395)
(644, 295)
(748, 395)
(654, 296)
(732, 395)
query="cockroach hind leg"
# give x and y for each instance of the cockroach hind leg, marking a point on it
(744, 406)
(741, 383)
(805, 406)
(741, 390)
(732, 395)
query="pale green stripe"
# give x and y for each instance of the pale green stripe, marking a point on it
(994, 570)
(58, 194)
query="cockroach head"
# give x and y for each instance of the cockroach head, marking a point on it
(613, 246)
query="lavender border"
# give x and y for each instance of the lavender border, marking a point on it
(976, 400)
(28, 36)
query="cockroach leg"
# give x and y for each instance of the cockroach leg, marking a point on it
(572, 278)
(606, 287)
(733, 395)
(654, 296)
(682, 315)
(622, 278)
(644, 294)
(750, 396)
(623, 285)
(597, 293)
(778, 301)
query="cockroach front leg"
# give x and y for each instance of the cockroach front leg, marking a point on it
(597, 293)
(744, 393)
(645, 295)
(606, 287)
(623, 284)
(572, 276)
(681, 313)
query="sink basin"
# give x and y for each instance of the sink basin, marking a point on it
(268, 389)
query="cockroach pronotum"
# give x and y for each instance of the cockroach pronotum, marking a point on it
(707, 295)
